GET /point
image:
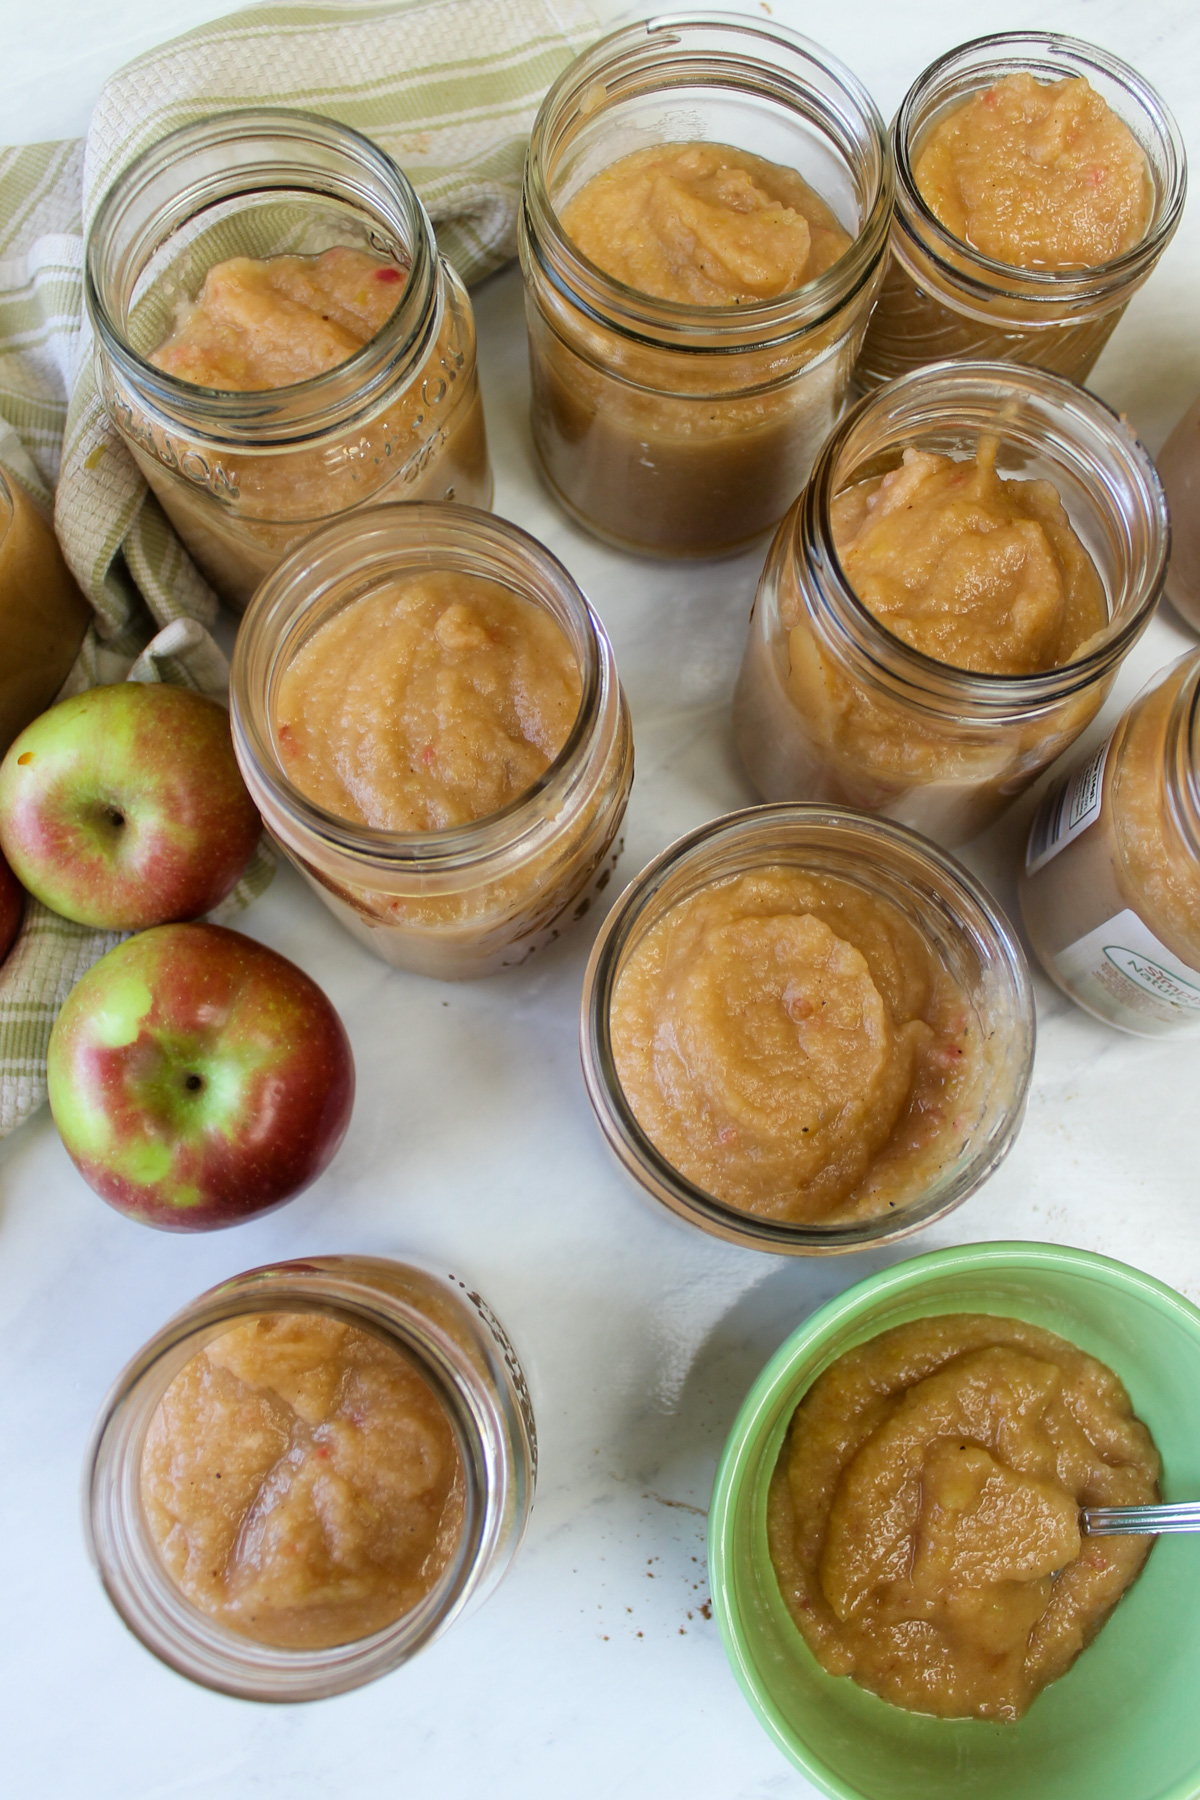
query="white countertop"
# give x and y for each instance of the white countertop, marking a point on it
(595, 1672)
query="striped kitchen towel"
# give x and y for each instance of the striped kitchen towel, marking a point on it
(450, 89)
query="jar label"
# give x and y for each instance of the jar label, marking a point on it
(1067, 811)
(1124, 974)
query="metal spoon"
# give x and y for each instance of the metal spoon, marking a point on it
(1139, 1521)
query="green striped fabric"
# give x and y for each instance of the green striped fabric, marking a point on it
(449, 88)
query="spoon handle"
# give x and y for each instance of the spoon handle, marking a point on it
(1139, 1521)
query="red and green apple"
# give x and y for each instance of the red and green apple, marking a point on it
(198, 1078)
(124, 807)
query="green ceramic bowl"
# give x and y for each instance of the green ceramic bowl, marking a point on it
(1124, 1723)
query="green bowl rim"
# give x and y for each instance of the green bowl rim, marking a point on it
(884, 1283)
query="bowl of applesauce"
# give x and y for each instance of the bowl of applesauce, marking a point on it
(896, 1566)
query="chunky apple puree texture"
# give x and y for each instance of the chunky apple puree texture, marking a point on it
(302, 1482)
(975, 571)
(428, 703)
(792, 1045)
(923, 1518)
(268, 324)
(704, 224)
(1042, 175)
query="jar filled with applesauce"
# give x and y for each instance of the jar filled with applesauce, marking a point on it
(704, 220)
(1178, 463)
(1029, 207)
(427, 714)
(1110, 889)
(43, 616)
(277, 340)
(309, 1473)
(806, 1031)
(946, 606)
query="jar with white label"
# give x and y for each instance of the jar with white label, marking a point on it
(1110, 891)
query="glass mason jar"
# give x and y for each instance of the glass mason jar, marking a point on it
(244, 476)
(440, 1327)
(674, 429)
(944, 300)
(830, 705)
(1179, 466)
(950, 911)
(43, 616)
(473, 898)
(1110, 890)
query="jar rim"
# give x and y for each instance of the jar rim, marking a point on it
(985, 275)
(491, 545)
(147, 1598)
(320, 403)
(678, 325)
(889, 656)
(974, 914)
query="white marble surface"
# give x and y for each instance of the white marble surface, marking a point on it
(595, 1671)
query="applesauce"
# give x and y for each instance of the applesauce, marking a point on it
(1041, 174)
(971, 570)
(268, 322)
(273, 363)
(1038, 181)
(923, 1517)
(428, 703)
(695, 303)
(704, 225)
(309, 1473)
(43, 616)
(790, 1044)
(805, 1031)
(1110, 890)
(302, 1482)
(945, 608)
(436, 737)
